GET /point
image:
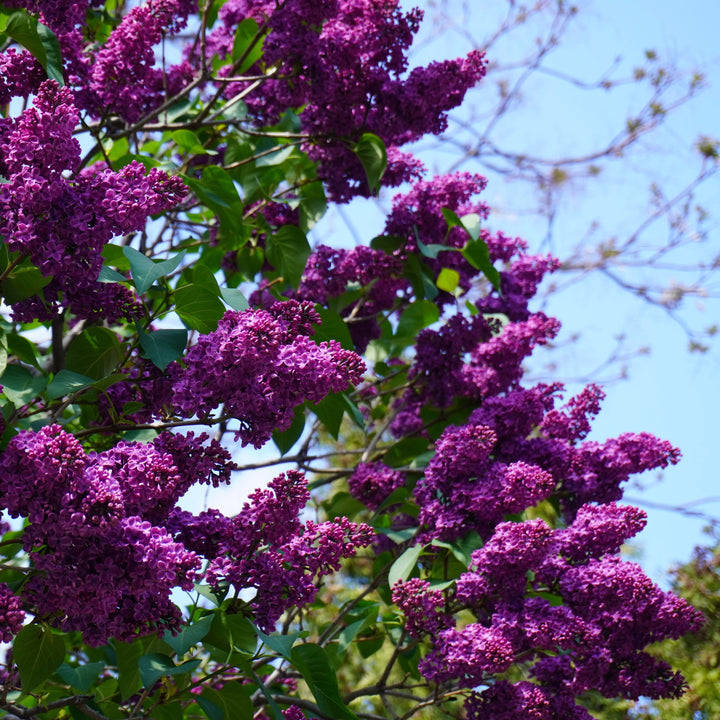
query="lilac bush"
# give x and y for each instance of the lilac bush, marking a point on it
(441, 530)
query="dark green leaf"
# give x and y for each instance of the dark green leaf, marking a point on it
(20, 385)
(189, 635)
(163, 346)
(332, 327)
(203, 276)
(38, 653)
(232, 631)
(370, 149)
(145, 272)
(403, 452)
(313, 664)
(67, 382)
(330, 411)
(94, 353)
(172, 711)
(154, 666)
(477, 253)
(82, 677)
(231, 702)
(404, 565)
(288, 251)
(189, 143)
(388, 243)
(198, 308)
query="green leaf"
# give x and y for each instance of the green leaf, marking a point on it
(477, 254)
(163, 346)
(288, 250)
(405, 451)
(388, 243)
(128, 655)
(370, 149)
(108, 275)
(448, 279)
(67, 382)
(217, 191)
(23, 282)
(232, 631)
(235, 299)
(332, 327)
(203, 276)
(247, 45)
(281, 644)
(38, 653)
(95, 353)
(39, 40)
(330, 411)
(189, 635)
(349, 633)
(20, 385)
(313, 205)
(404, 565)
(21, 348)
(145, 272)
(189, 143)
(198, 308)
(155, 665)
(285, 439)
(419, 315)
(231, 702)
(476, 251)
(313, 664)
(114, 255)
(82, 677)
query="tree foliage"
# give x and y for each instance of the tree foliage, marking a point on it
(442, 539)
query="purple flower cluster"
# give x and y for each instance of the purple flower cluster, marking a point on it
(423, 608)
(349, 55)
(11, 614)
(259, 365)
(373, 483)
(266, 547)
(63, 224)
(104, 563)
(20, 74)
(122, 78)
(591, 637)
